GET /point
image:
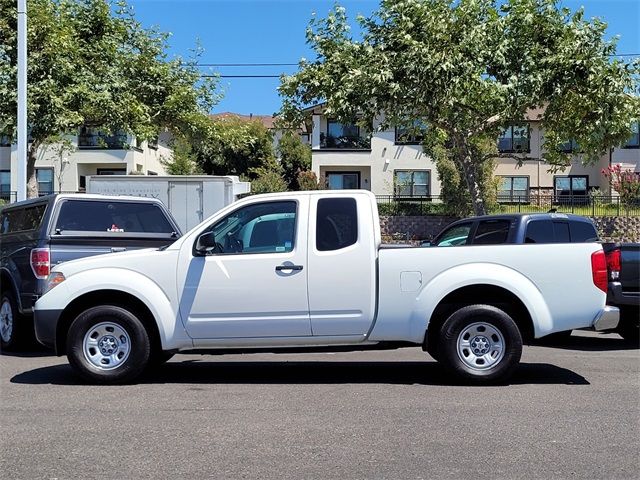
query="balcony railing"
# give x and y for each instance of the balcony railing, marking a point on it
(96, 141)
(345, 142)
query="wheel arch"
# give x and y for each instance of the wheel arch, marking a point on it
(116, 298)
(8, 283)
(484, 294)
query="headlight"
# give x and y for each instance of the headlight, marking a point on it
(54, 278)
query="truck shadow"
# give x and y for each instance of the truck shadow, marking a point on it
(595, 342)
(307, 372)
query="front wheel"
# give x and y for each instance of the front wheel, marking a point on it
(480, 344)
(108, 344)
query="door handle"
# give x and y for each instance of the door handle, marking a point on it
(118, 249)
(279, 268)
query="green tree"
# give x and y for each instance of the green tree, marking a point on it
(182, 160)
(91, 63)
(295, 157)
(234, 146)
(467, 69)
(268, 179)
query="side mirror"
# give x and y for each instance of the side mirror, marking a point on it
(425, 243)
(205, 242)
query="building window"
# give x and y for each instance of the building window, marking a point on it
(44, 176)
(413, 135)
(153, 143)
(5, 141)
(94, 138)
(569, 146)
(343, 180)
(514, 139)
(149, 172)
(340, 135)
(571, 185)
(111, 171)
(634, 141)
(513, 189)
(412, 183)
(5, 184)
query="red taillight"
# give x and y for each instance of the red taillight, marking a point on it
(40, 262)
(599, 270)
(613, 264)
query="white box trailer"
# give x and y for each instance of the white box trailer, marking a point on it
(189, 198)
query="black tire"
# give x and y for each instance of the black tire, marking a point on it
(629, 325)
(117, 345)
(482, 328)
(13, 326)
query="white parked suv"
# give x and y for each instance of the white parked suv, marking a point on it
(308, 270)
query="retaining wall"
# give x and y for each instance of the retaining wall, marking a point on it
(416, 228)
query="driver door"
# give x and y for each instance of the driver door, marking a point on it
(253, 281)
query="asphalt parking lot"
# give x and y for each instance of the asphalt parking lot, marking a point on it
(570, 412)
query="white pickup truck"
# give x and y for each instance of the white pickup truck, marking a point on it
(308, 271)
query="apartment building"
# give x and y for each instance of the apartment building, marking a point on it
(91, 152)
(392, 162)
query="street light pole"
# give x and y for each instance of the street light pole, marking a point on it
(22, 100)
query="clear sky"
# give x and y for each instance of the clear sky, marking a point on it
(273, 31)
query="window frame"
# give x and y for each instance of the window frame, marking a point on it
(353, 140)
(510, 194)
(413, 183)
(573, 146)
(53, 180)
(571, 193)
(333, 172)
(196, 253)
(101, 171)
(512, 149)
(415, 138)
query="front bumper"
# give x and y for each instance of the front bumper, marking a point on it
(46, 324)
(607, 318)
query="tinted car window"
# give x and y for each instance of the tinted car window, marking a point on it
(561, 232)
(583, 232)
(456, 235)
(267, 227)
(113, 217)
(336, 223)
(539, 231)
(22, 219)
(491, 232)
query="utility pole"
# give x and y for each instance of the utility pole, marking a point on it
(22, 100)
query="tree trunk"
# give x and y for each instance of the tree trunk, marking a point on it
(471, 171)
(32, 181)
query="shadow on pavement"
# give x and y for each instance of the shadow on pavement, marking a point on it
(401, 373)
(30, 353)
(603, 342)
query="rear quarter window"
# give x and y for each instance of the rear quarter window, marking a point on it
(22, 219)
(111, 217)
(539, 231)
(336, 223)
(492, 232)
(582, 232)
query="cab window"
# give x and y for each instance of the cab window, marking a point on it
(267, 227)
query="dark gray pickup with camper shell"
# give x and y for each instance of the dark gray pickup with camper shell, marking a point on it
(37, 234)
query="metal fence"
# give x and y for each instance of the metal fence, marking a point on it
(588, 205)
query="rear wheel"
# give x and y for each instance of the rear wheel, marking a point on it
(108, 344)
(12, 324)
(480, 344)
